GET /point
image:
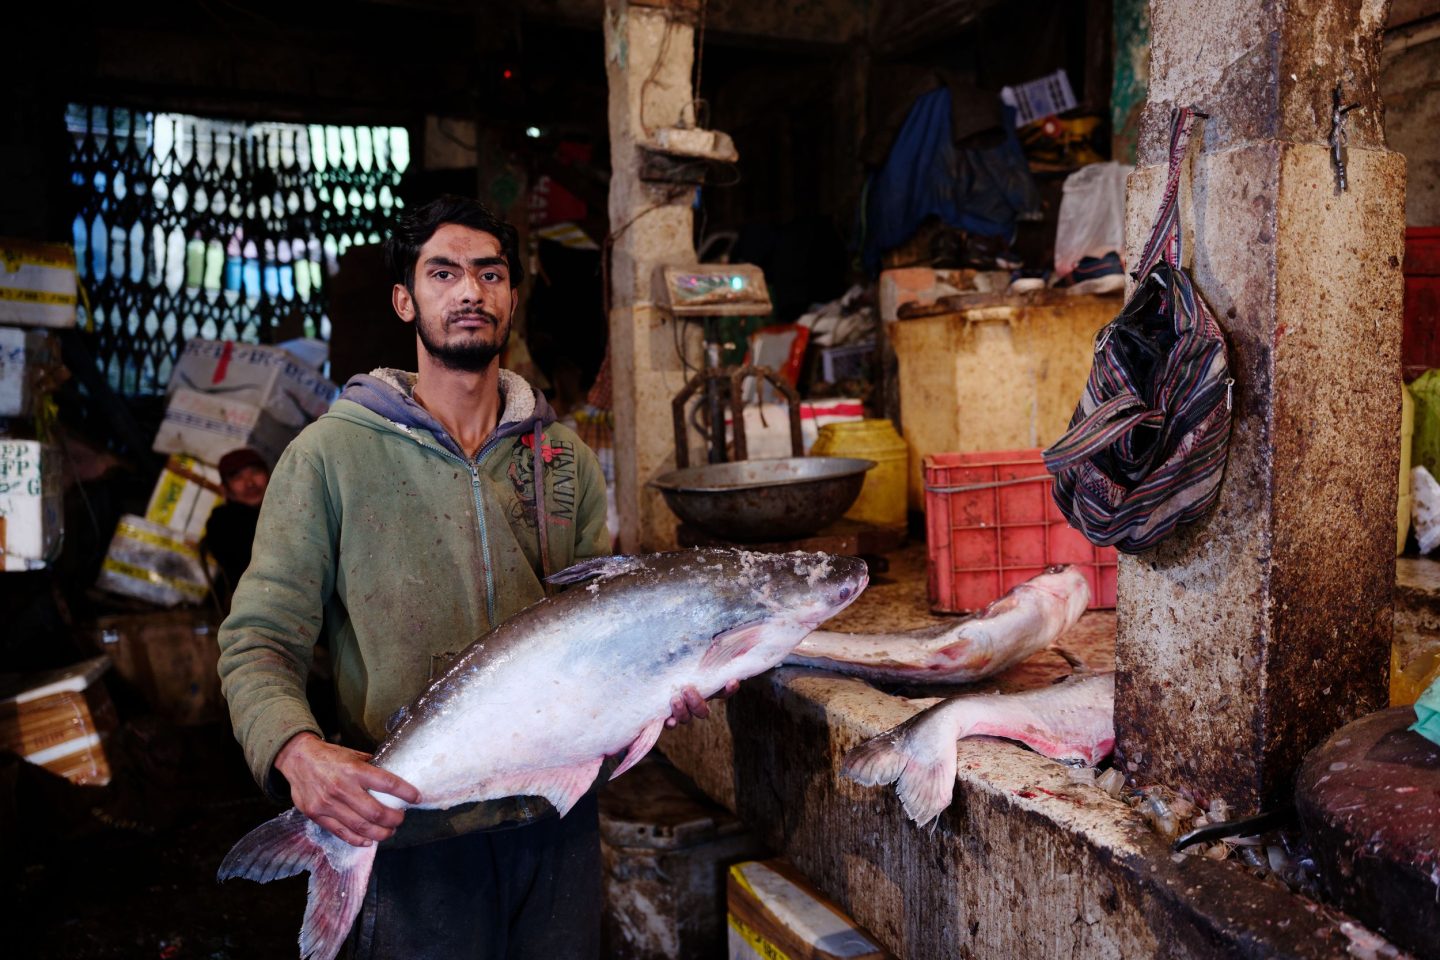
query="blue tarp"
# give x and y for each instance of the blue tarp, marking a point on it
(979, 191)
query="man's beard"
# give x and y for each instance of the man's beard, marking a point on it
(468, 357)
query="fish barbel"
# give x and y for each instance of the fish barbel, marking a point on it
(535, 706)
(1028, 619)
(1073, 720)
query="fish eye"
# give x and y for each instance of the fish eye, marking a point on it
(844, 593)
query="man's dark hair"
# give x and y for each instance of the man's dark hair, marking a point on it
(415, 227)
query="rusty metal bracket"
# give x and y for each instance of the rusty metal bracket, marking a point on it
(1337, 137)
(734, 399)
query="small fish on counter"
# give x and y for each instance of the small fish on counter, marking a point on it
(1028, 619)
(535, 706)
(1073, 721)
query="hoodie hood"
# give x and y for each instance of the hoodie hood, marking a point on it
(390, 394)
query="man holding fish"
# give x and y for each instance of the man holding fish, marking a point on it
(422, 511)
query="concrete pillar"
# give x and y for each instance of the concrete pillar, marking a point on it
(648, 57)
(1249, 636)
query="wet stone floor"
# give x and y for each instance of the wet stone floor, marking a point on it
(128, 870)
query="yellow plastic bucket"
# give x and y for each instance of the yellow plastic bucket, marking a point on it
(1405, 500)
(882, 499)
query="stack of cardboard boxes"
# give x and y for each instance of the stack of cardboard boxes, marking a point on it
(37, 294)
(222, 396)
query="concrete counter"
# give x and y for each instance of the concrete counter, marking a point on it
(1026, 862)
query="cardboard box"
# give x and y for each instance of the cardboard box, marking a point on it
(32, 509)
(153, 563)
(37, 283)
(208, 426)
(774, 912)
(169, 657)
(274, 380)
(29, 364)
(184, 496)
(60, 720)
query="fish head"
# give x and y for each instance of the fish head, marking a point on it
(772, 601)
(806, 588)
(1068, 585)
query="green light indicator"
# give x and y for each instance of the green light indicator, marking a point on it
(737, 283)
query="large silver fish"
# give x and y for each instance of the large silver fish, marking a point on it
(1073, 720)
(1028, 619)
(535, 706)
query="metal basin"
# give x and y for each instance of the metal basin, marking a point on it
(758, 501)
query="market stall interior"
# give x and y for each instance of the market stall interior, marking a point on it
(1103, 333)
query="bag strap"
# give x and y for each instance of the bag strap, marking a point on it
(1110, 420)
(1165, 236)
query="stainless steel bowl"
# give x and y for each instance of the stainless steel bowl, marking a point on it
(758, 501)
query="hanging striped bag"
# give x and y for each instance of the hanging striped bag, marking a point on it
(1146, 448)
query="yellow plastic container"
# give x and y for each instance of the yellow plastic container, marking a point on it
(1407, 433)
(882, 499)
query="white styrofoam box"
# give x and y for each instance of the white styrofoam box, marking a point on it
(290, 391)
(797, 920)
(37, 283)
(151, 562)
(184, 495)
(767, 425)
(25, 357)
(208, 426)
(32, 514)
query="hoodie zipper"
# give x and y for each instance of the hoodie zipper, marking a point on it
(474, 467)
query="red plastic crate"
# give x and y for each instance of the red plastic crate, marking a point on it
(1001, 528)
(1420, 342)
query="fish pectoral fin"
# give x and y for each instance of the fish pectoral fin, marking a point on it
(587, 569)
(1076, 664)
(728, 645)
(562, 786)
(640, 746)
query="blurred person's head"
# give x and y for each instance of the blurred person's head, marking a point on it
(245, 475)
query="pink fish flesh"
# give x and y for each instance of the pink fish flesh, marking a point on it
(1073, 720)
(533, 707)
(1028, 619)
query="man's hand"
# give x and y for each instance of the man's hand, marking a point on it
(331, 784)
(690, 705)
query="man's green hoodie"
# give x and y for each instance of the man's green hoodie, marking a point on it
(378, 534)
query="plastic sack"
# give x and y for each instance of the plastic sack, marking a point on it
(1426, 509)
(1425, 444)
(1092, 215)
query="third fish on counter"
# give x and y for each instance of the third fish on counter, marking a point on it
(1071, 720)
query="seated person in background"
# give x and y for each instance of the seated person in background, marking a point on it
(231, 528)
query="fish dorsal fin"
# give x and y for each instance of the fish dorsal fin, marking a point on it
(396, 718)
(603, 567)
(732, 643)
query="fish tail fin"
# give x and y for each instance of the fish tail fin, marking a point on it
(925, 784)
(877, 761)
(339, 874)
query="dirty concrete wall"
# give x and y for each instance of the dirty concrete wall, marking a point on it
(1024, 864)
(1410, 85)
(1248, 637)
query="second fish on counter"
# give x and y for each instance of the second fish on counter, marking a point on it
(1028, 619)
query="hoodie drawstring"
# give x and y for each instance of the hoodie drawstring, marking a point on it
(540, 518)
